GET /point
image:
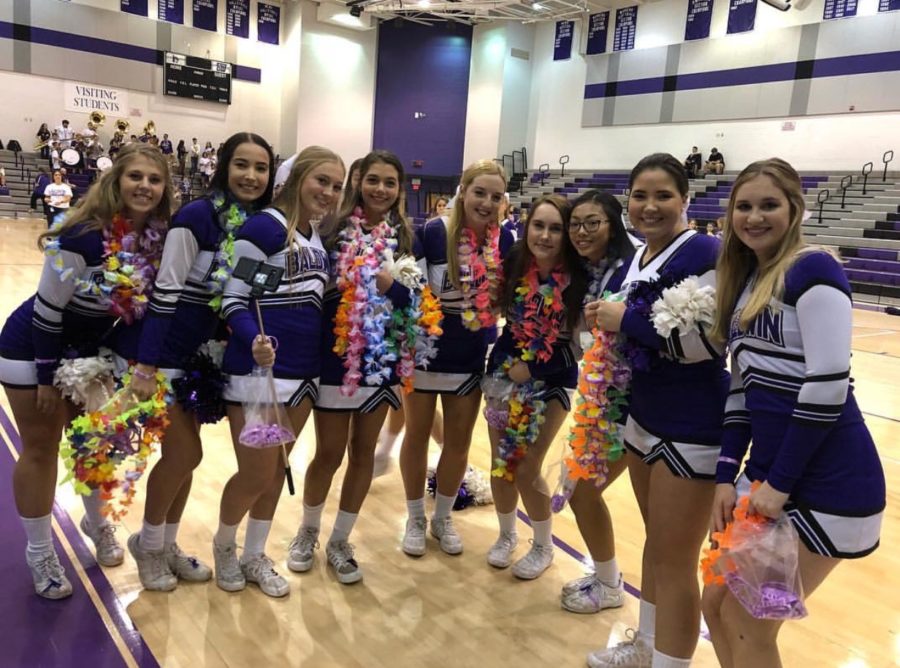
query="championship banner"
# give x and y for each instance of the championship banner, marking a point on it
(626, 26)
(598, 33)
(741, 16)
(237, 18)
(562, 42)
(86, 98)
(171, 11)
(888, 5)
(699, 18)
(206, 14)
(839, 9)
(268, 23)
(136, 7)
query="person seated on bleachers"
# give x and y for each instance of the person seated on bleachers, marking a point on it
(694, 163)
(2, 177)
(714, 229)
(716, 162)
(41, 181)
(58, 196)
(692, 224)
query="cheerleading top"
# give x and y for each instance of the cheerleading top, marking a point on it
(293, 313)
(791, 394)
(459, 349)
(182, 291)
(333, 364)
(61, 319)
(680, 394)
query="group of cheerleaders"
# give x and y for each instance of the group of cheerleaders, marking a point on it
(783, 312)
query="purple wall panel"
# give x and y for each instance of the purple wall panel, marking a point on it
(423, 70)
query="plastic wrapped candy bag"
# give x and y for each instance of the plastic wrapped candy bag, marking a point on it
(266, 423)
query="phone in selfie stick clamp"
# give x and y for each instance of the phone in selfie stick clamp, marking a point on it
(261, 278)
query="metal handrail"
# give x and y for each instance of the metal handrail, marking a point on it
(886, 158)
(846, 182)
(866, 170)
(827, 193)
(563, 161)
(544, 170)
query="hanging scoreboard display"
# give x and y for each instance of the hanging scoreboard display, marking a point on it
(197, 78)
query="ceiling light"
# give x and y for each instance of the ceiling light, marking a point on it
(424, 3)
(536, 6)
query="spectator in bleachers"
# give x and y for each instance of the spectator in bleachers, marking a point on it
(692, 224)
(65, 134)
(181, 151)
(2, 177)
(54, 155)
(166, 145)
(41, 181)
(712, 229)
(195, 155)
(439, 206)
(132, 139)
(43, 135)
(716, 162)
(694, 163)
(58, 196)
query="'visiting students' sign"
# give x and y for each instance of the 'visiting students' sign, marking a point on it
(91, 97)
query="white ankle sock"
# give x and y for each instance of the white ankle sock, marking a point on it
(92, 508)
(416, 508)
(507, 522)
(312, 516)
(152, 536)
(171, 532)
(661, 660)
(255, 538)
(39, 531)
(343, 525)
(608, 572)
(543, 532)
(647, 622)
(443, 504)
(227, 534)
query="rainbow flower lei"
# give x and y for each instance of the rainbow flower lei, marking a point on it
(371, 334)
(130, 263)
(534, 322)
(230, 219)
(108, 449)
(481, 273)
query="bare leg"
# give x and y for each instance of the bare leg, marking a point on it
(592, 515)
(169, 483)
(358, 477)
(460, 414)
(420, 409)
(332, 431)
(529, 482)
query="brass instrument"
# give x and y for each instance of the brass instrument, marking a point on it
(98, 118)
(150, 129)
(122, 126)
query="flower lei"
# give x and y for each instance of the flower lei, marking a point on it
(481, 273)
(108, 449)
(534, 322)
(595, 286)
(371, 334)
(230, 220)
(130, 263)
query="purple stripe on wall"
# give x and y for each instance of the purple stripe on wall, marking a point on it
(80, 636)
(103, 47)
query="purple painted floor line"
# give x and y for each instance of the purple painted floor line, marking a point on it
(77, 635)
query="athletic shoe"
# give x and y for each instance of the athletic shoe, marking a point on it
(153, 569)
(49, 576)
(301, 552)
(260, 570)
(579, 583)
(186, 567)
(631, 653)
(229, 575)
(534, 563)
(340, 558)
(443, 529)
(107, 548)
(500, 554)
(414, 537)
(594, 596)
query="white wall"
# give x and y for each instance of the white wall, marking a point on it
(839, 142)
(516, 88)
(483, 107)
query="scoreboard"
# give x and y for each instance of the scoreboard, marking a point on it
(197, 78)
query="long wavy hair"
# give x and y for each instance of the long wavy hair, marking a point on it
(736, 261)
(519, 260)
(457, 219)
(103, 199)
(396, 214)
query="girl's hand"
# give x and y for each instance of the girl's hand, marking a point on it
(47, 399)
(723, 506)
(767, 501)
(143, 381)
(605, 315)
(383, 281)
(263, 351)
(519, 373)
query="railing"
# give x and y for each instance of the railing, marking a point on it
(519, 164)
(822, 197)
(886, 158)
(544, 171)
(866, 170)
(563, 161)
(846, 182)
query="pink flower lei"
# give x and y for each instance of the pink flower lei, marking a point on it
(480, 273)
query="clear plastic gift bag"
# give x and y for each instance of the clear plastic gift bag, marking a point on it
(497, 389)
(266, 423)
(757, 559)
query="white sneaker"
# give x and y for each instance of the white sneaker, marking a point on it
(631, 653)
(49, 576)
(260, 570)
(186, 567)
(153, 569)
(229, 575)
(443, 529)
(340, 558)
(579, 583)
(534, 563)
(500, 554)
(414, 537)
(107, 549)
(593, 596)
(301, 551)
